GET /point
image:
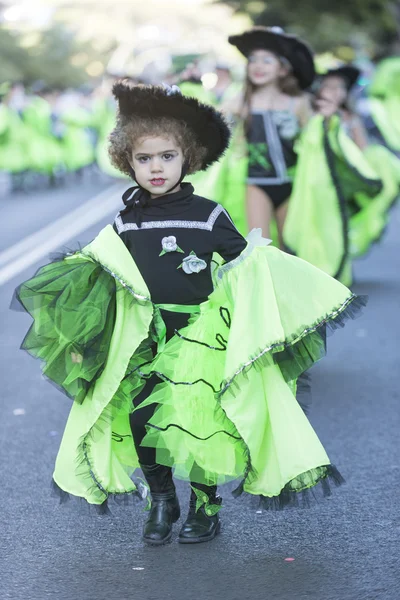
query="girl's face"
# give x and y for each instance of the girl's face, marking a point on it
(264, 68)
(157, 162)
(334, 89)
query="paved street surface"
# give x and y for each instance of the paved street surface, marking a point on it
(346, 548)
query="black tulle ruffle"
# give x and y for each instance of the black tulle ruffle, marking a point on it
(296, 356)
(288, 498)
(307, 496)
(103, 509)
(73, 305)
(304, 496)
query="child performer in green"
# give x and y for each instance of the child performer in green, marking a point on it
(176, 360)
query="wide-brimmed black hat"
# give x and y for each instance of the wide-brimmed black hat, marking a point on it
(349, 73)
(155, 101)
(290, 47)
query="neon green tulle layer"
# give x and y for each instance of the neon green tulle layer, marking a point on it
(331, 172)
(226, 399)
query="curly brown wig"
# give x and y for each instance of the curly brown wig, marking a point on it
(128, 132)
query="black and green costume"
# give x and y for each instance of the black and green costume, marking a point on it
(181, 343)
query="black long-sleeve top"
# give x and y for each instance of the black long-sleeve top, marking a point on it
(199, 225)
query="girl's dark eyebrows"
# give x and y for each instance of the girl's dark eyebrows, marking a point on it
(158, 153)
(166, 152)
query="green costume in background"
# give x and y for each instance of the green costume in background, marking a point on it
(195, 89)
(103, 121)
(225, 181)
(14, 158)
(384, 103)
(365, 222)
(331, 172)
(371, 216)
(226, 404)
(368, 216)
(384, 93)
(44, 149)
(78, 150)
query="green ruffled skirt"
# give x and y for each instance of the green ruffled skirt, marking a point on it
(227, 406)
(331, 172)
(369, 221)
(226, 401)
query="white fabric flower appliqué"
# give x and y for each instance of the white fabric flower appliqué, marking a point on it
(169, 245)
(192, 264)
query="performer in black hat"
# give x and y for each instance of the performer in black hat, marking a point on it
(335, 86)
(274, 108)
(368, 216)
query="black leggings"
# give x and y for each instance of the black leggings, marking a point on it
(140, 418)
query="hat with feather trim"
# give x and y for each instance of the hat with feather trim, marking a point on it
(284, 45)
(162, 101)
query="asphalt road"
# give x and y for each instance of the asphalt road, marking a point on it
(345, 548)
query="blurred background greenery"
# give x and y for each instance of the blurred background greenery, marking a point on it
(69, 43)
(331, 25)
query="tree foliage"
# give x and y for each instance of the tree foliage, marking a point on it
(325, 23)
(51, 59)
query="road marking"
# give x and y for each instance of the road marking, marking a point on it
(34, 247)
(18, 411)
(33, 240)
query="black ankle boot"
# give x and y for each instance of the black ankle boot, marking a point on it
(164, 510)
(202, 523)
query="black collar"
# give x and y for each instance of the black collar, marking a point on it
(142, 204)
(170, 201)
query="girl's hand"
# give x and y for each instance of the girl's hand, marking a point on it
(325, 107)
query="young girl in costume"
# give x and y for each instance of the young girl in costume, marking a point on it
(339, 195)
(367, 209)
(270, 114)
(335, 86)
(273, 109)
(174, 360)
